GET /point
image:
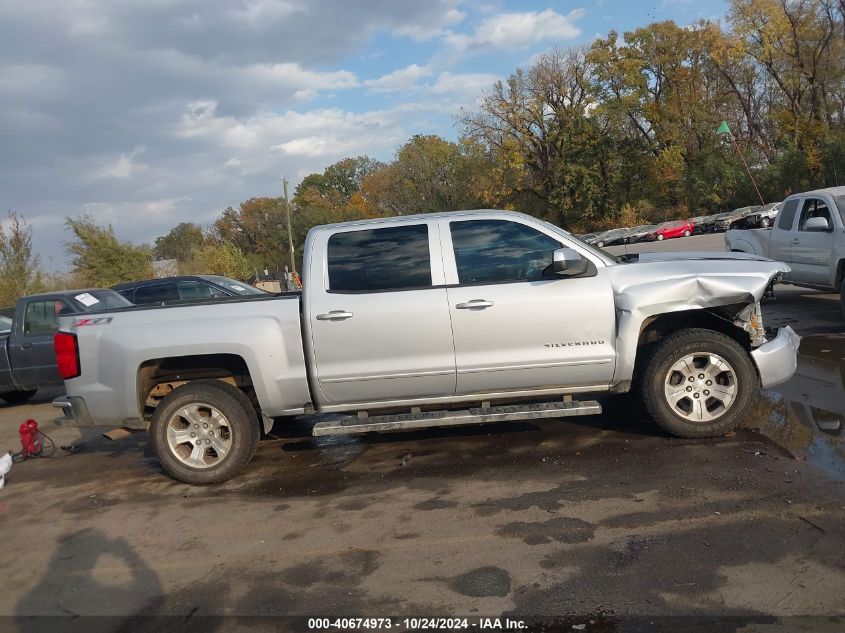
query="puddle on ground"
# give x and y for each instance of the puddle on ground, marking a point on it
(806, 415)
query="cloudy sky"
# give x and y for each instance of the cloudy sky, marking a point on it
(146, 113)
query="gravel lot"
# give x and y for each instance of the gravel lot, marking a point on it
(601, 519)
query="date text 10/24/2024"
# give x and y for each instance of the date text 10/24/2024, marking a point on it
(417, 624)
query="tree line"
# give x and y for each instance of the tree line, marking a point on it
(618, 132)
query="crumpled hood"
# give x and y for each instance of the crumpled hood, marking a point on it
(691, 255)
(666, 282)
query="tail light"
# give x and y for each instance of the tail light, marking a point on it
(67, 354)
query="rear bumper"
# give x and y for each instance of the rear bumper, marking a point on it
(777, 359)
(74, 411)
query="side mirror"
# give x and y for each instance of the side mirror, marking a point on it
(567, 262)
(817, 224)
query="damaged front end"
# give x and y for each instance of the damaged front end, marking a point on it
(776, 358)
(687, 292)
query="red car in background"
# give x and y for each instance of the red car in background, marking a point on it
(677, 228)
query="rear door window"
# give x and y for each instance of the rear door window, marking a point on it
(787, 215)
(42, 317)
(156, 293)
(390, 258)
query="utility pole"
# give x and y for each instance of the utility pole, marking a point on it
(287, 218)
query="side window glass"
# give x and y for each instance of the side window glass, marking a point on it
(814, 208)
(198, 290)
(497, 251)
(393, 258)
(156, 293)
(787, 215)
(42, 317)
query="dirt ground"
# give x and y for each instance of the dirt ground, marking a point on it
(601, 521)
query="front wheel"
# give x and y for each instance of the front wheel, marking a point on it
(204, 432)
(600, 244)
(686, 233)
(698, 383)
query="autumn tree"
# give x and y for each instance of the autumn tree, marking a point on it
(20, 272)
(180, 242)
(335, 186)
(100, 259)
(257, 227)
(219, 258)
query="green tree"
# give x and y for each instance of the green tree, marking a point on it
(334, 188)
(257, 227)
(179, 243)
(20, 272)
(219, 258)
(100, 259)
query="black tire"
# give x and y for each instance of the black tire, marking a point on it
(842, 298)
(18, 397)
(243, 425)
(673, 348)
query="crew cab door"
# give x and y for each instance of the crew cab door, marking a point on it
(812, 249)
(33, 357)
(780, 240)
(378, 329)
(514, 326)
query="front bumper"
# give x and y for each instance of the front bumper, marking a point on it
(777, 359)
(74, 411)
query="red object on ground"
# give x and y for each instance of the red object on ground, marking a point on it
(30, 439)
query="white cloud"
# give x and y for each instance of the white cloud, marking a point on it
(422, 32)
(519, 30)
(464, 84)
(398, 80)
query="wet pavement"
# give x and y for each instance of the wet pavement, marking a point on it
(599, 519)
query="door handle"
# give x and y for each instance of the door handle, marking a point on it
(795, 240)
(334, 315)
(474, 304)
(26, 345)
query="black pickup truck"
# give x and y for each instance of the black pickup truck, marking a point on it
(27, 357)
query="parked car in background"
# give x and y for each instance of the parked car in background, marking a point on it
(184, 288)
(27, 357)
(704, 224)
(763, 218)
(640, 233)
(733, 219)
(207, 379)
(611, 237)
(809, 235)
(677, 228)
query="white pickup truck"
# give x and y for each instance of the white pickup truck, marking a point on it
(431, 320)
(808, 234)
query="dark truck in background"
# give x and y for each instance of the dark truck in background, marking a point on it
(27, 357)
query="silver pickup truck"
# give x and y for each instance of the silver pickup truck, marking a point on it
(431, 320)
(808, 234)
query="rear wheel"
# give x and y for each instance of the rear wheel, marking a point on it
(686, 233)
(204, 432)
(600, 244)
(18, 397)
(660, 236)
(698, 383)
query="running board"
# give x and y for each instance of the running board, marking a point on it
(351, 425)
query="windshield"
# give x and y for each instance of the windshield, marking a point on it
(595, 250)
(94, 300)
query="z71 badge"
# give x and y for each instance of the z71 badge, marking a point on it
(94, 321)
